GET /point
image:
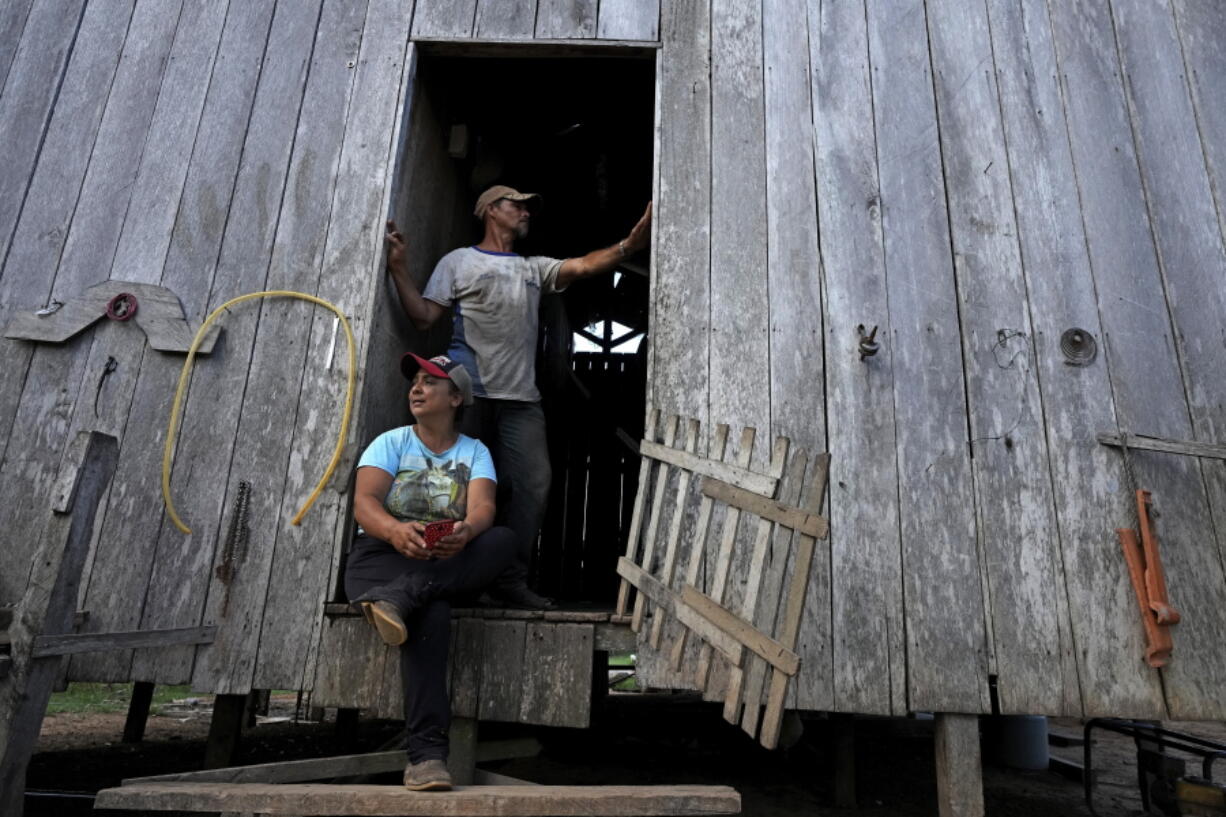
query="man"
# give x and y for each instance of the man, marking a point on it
(496, 296)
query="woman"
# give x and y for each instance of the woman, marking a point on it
(398, 574)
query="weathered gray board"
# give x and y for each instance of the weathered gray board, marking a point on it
(974, 222)
(973, 170)
(518, 670)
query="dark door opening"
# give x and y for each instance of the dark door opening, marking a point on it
(579, 131)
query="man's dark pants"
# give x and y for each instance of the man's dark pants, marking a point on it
(514, 431)
(376, 570)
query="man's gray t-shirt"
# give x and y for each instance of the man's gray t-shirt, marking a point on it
(496, 298)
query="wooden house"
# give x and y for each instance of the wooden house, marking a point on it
(950, 242)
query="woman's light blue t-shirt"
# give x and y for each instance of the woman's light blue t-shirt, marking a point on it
(426, 486)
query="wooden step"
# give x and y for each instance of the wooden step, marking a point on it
(464, 801)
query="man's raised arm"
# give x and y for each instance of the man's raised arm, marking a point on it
(421, 312)
(601, 261)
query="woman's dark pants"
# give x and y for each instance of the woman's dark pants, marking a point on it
(376, 570)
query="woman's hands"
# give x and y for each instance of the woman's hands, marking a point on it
(409, 539)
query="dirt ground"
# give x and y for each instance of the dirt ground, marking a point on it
(634, 739)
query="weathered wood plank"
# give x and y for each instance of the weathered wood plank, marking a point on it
(557, 675)
(47, 607)
(59, 379)
(559, 19)
(742, 630)
(1013, 494)
(947, 663)
(49, 645)
(798, 402)
(354, 242)
(777, 511)
(868, 648)
(791, 619)
(1202, 31)
(13, 17)
(466, 667)
(765, 614)
(33, 59)
(1141, 342)
(444, 18)
(673, 540)
(286, 771)
(213, 397)
(350, 668)
(737, 475)
(636, 514)
(511, 19)
(1078, 400)
(140, 255)
(273, 399)
(502, 671)
(34, 252)
(629, 20)
(1191, 260)
(463, 801)
(1189, 448)
(191, 262)
(663, 477)
(681, 227)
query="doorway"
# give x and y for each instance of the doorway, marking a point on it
(579, 130)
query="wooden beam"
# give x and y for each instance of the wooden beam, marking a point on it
(225, 731)
(470, 47)
(735, 475)
(771, 650)
(1165, 445)
(810, 524)
(646, 583)
(959, 774)
(73, 643)
(465, 801)
(712, 636)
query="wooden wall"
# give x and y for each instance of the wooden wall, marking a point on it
(972, 179)
(219, 148)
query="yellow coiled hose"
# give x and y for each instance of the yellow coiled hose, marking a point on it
(168, 453)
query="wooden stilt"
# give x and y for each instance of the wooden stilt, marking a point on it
(844, 760)
(138, 712)
(347, 727)
(462, 760)
(959, 772)
(225, 731)
(48, 605)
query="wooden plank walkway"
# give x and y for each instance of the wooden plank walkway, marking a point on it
(464, 801)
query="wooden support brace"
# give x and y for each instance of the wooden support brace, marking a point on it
(738, 475)
(745, 633)
(74, 643)
(462, 760)
(766, 508)
(1165, 445)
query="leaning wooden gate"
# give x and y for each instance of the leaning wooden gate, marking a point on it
(753, 633)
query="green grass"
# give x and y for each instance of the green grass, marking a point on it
(623, 660)
(94, 698)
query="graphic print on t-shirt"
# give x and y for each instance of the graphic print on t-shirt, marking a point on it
(426, 490)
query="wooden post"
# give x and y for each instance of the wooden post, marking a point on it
(347, 727)
(138, 712)
(844, 760)
(49, 604)
(462, 760)
(225, 730)
(959, 774)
